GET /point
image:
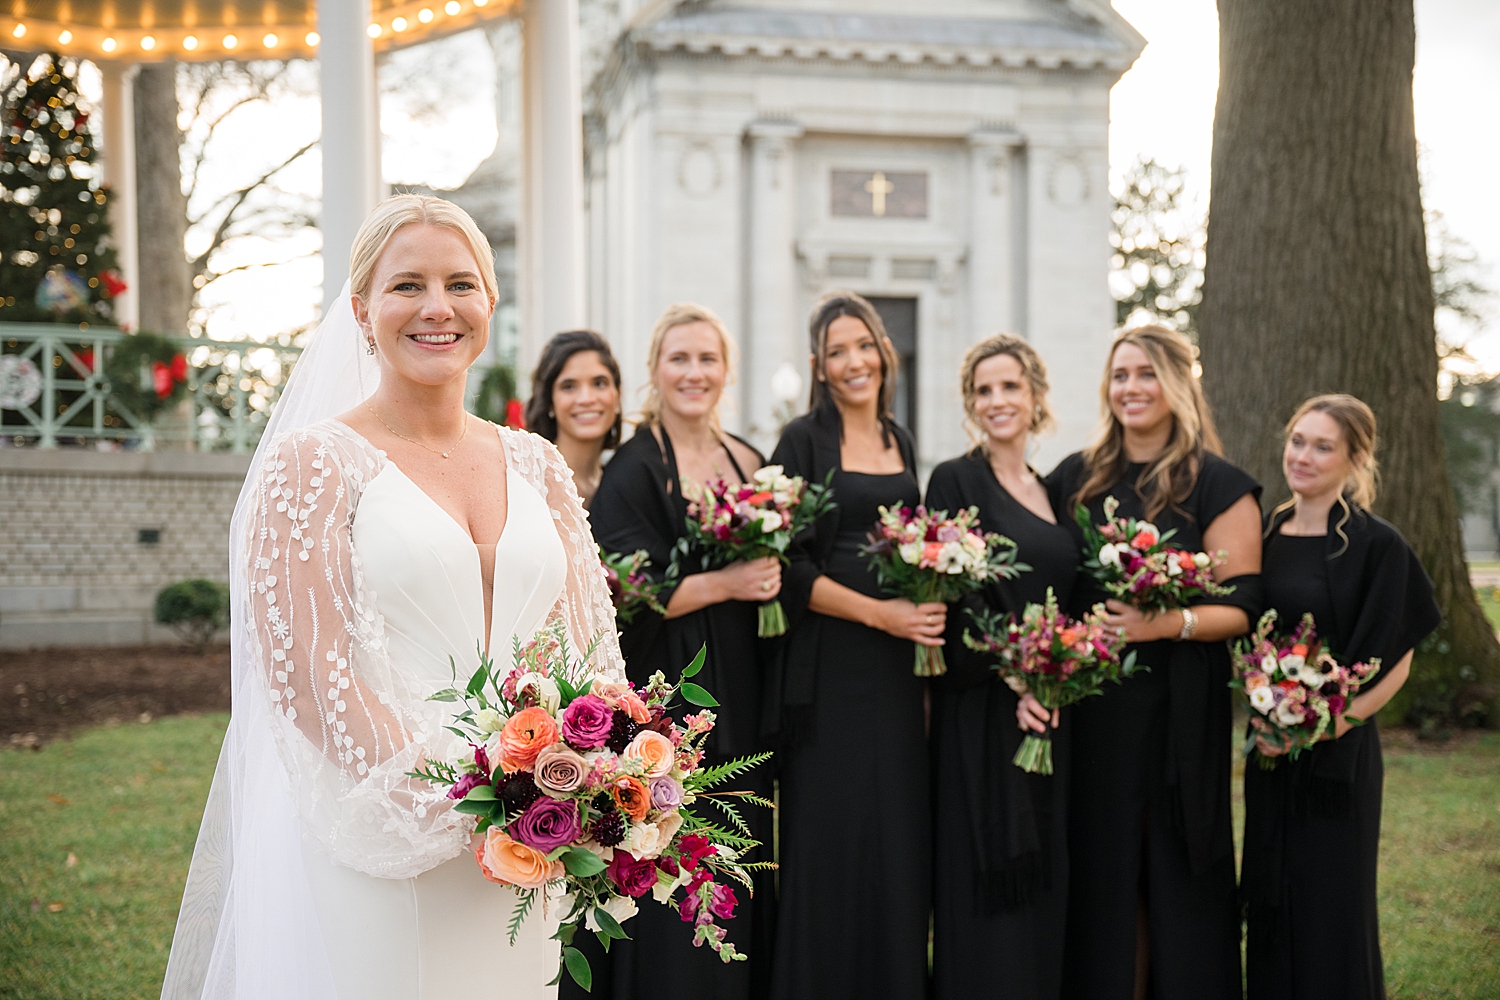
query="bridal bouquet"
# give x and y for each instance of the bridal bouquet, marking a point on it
(630, 589)
(586, 787)
(1132, 560)
(752, 521)
(925, 555)
(1058, 659)
(1293, 685)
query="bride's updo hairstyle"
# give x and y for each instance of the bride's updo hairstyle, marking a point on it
(681, 314)
(1171, 476)
(410, 210)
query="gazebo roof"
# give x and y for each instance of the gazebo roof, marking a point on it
(153, 30)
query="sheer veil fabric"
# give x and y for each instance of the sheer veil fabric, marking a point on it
(326, 721)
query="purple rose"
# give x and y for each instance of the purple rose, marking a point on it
(666, 793)
(587, 721)
(631, 875)
(467, 784)
(547, 824)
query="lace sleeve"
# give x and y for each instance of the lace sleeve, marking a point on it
(348, 724)
(585, 603)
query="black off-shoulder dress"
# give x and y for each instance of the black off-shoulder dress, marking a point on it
(1318, 938)
(1148, 807)
(855, 810)
(639, 505)
(1000, 875)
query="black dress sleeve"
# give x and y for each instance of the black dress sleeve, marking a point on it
(1220, 486)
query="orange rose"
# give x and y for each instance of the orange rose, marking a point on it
(655, 750)
(526, 734)
(633, 798)
(504, 861)
(631, 705)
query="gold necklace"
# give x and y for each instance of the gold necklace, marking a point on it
(440, 454)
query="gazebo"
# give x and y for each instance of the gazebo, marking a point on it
(343, 35)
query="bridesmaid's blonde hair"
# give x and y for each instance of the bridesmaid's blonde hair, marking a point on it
(1033, 369)
(1357, 427)
(681, 314)
(409, 210)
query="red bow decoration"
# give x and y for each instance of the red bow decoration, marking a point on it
(514, 416)
(114, 285)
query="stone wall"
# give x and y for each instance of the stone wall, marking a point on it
(79, 565)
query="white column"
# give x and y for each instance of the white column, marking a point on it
(550, 244)
(775, 336)
(351, 133)
(991, 270)
(119, 174)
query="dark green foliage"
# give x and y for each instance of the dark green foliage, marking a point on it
(194, 609)
(496, 390)
(52, 208)
(1157, 267)
(131, 374)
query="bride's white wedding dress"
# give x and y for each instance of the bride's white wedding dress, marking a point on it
(347, 879)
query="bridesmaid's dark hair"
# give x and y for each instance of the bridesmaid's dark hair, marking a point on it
(540, 417)
(829, 308)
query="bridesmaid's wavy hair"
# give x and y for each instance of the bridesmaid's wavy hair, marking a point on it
(1171, 476)
(1033, 370)
(681, 314)
(404, 210)
(829, 308)
(1357, 427)
(541, 418)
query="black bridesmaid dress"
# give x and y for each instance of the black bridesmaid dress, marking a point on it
(639, 505)
(1148, 805)
(1318, 938)
(1000, 876)
(855, 812)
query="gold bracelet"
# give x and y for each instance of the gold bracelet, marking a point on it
(1189, 624)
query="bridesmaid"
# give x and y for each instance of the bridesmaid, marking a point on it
(1326, 554)
(1151, 891)
(575, 404)
(1000, 881)
(855, 821)
(677, 450)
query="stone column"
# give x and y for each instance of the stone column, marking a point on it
(550, 279)
(992, 215)
(351, 133)
(119, 174)
(775, 334)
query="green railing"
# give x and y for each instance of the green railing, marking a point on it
(231, 388)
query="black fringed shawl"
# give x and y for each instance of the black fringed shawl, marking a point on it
(810, 448)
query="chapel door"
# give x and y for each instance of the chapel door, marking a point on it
(900, 318)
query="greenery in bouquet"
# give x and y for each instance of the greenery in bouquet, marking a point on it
(1131, 559)
(589, 789)
(754, 520)
(1293, 686)
(927, 556)
(631, 588)
(1060, 660)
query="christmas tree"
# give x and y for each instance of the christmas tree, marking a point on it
(56, 264)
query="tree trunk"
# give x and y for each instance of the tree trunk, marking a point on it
(1317, 281)
(166, 282)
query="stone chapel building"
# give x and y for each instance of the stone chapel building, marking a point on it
(947, 159)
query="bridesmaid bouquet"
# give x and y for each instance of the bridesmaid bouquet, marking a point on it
(1132, 560)
(925, 555)
(752, 521)
(1293, 685)
(585, 787)
(1058, 659)
(630, 589)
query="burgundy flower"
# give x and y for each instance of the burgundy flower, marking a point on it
(631, 875)
(467, 784)
(547, 824)
(586, 722)
(723, 902)
(694, 848)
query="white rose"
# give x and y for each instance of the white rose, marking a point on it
(910, 552)
(645, 840)
(770, 521)
(766, 476)
(1202, 560)
(487, 721)
(1109, 556)
(622, 908)
(669, 825)
(1268, 665)
(1173, 568)
(543, 687)
(1262, 700)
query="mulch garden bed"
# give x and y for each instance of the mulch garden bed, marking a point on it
(47, 693)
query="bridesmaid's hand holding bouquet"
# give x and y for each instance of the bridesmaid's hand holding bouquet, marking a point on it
(630, 589)
(926, 556)
(1058, 659)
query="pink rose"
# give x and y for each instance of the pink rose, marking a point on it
(586, 722)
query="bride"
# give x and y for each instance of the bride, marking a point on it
(382, 534)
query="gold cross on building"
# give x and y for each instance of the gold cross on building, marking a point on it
(878, 187)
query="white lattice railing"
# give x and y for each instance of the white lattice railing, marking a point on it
(231, 387)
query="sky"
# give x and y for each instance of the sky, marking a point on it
(1164, 108)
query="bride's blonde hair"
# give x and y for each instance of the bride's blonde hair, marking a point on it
(409, 210)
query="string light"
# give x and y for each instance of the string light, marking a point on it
(399, 24)
(108, 45)
(373, 31)
(20, 31)
(270, 41)
(481, 3)
(452, 8)
(425, 15)
(230, 41)
(65, 37)
(312, 39)
(148, 43)
(190, 43)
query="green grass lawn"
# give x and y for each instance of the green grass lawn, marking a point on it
(1489, 600)
(96, 833)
